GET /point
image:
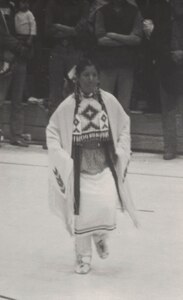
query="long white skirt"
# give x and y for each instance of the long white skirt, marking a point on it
(98, 202)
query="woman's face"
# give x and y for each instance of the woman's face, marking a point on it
(88, 79)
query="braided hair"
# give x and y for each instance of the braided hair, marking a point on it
(76, 149)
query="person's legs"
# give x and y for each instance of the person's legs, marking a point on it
(169, 109)
(124, 86)
(100, 241)
(108, 79)
(17, 111)
(62, 59)
(4, 86)
(56, 70)
(180, 93)
(180, 103)
(56, 77)
(83, 248)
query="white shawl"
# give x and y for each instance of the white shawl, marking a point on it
(59, 141)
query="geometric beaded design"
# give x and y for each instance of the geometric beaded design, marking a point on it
(90, 123)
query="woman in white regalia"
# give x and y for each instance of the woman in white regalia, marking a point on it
(88, 139)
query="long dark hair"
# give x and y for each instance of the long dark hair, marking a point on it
(86, 62)
(76, 149)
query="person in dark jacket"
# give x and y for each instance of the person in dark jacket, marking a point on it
(13, 55)
(164, 30)
(118, 29)
(65, 25)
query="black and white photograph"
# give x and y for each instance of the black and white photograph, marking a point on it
(91, 149)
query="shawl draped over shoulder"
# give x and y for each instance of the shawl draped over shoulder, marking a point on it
(59, 142)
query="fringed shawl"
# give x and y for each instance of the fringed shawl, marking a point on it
(59, 141)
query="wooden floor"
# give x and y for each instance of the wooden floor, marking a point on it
(146, 129)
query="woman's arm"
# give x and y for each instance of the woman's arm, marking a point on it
(60, 162)
(124, 140)
(53, 135)
(123, 146)
(61, 198)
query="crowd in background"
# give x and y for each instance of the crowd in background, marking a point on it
(129, 39)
